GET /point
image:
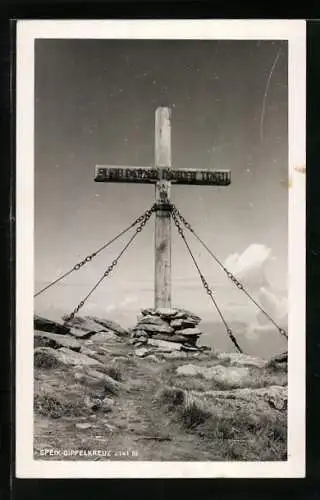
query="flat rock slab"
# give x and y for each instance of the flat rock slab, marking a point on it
(190, 331)
(71, 358)
(79, 333)
(189, 370)
(46, 339)
(169, 338)
(96, 354)
(238, 359)
(151, 320)
(96, 380)
(164, 345)
(46, 325)
(228, 376)
(180, 323)
(165, 328)
(109, 325)
(183, 313)
(275, 397)
(86, 324)
(166, 312)
(105, 337)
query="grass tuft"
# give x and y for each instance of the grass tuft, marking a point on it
(54, 407)
(44, 358)
(194, 412)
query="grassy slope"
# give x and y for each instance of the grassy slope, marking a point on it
(148, 417)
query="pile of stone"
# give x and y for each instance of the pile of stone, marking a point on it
(166, 330)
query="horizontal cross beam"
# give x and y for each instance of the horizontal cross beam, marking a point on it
(151, 175)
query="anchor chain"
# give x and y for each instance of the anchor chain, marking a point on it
(234, 280)
(143, 220)
(203, 280)
(89, 258)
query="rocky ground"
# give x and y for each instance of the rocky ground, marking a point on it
(153, 394)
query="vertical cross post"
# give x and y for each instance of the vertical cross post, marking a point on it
(162, 220)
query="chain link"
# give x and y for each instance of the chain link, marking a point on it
(87, 259)
(143, 220)
(234, 280)
(203, 280)
(94, 254)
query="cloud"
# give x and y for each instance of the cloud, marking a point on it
(275, 306)
(250, 268)
(250, 265)
(129, 299)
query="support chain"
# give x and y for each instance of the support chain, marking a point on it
(109, 269)
(203, 280)
(89, 258)
(234, 280)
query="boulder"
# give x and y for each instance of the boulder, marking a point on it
(165, 345)
(239, 359)
(139, 333)
(92, 404)
(226, 376)
(70, 358)
(189, 370)
(46, 325)
(83, 426)
(86, 324)
(107, 405)
(141, 352)
(80, 334)
(142, 338)
(92, 353)
(46, 358)
(234, 412)
(40, 340)
(45, 339)
(150, 329)
(279, 361)
(280, 358)
(263, 398)
(97, 380)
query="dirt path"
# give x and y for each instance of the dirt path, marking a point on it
(138, 428)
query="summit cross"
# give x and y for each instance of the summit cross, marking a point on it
(163, 176)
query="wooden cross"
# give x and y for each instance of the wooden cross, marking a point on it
(162, 175)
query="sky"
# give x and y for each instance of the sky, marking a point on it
(94, 104)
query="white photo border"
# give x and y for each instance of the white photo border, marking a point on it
(294, 31)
